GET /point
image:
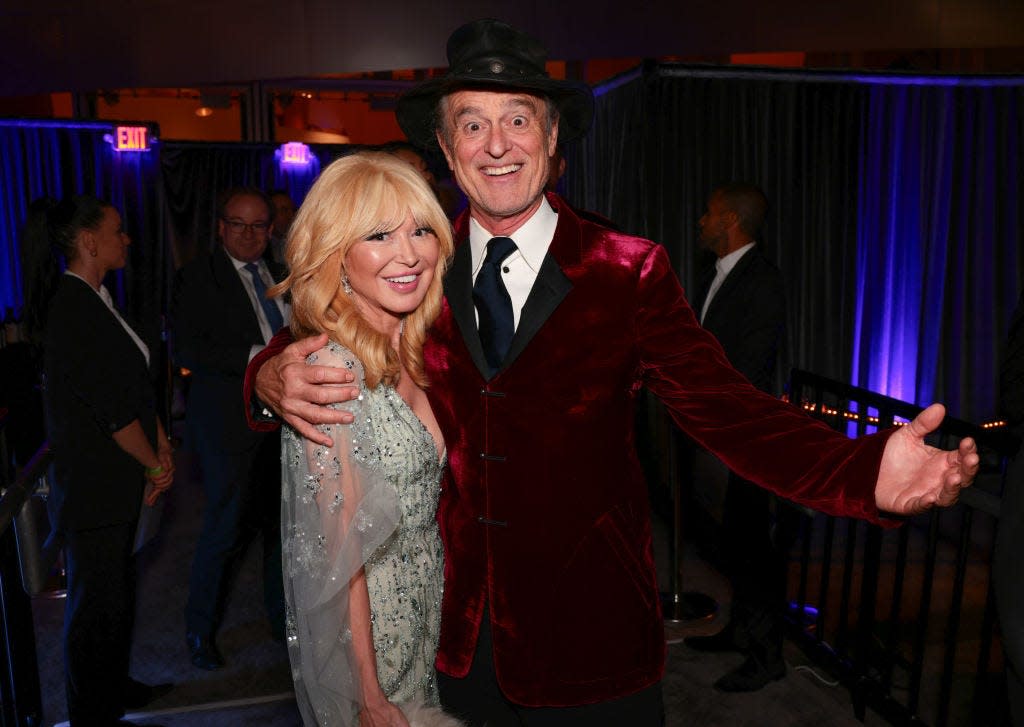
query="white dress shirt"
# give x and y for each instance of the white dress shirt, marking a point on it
(519, 270)
(268, 281)
(723, 266)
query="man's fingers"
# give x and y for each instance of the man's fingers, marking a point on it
(302, 348)
(927, 421)
(316, 414)
(322, 393)
(307, 430)
(298, 376)
(970, 460)
(329, 375)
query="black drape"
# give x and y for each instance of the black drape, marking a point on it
(845, 161)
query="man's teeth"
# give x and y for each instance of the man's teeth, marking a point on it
(498, 171)
(402, 279)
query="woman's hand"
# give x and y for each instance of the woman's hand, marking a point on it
(159, 478)
(165, 454)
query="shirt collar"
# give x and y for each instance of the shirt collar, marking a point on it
(532, 239)
(240, 265)
(724, 265)
(103, 293)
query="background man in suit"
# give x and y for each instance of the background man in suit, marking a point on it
(284, 213)
(550, 327)
(742, 302)
(221, 319)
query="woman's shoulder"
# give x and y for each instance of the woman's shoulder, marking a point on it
(339, 356)
(73, 306)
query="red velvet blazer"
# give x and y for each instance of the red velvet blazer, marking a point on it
(544, 512)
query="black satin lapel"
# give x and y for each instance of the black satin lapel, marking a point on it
(548, 291)
(458, 289)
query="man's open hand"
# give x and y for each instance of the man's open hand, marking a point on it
(915, 476)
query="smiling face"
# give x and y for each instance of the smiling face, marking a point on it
(390, 271)
(498, 145)
(245, 227)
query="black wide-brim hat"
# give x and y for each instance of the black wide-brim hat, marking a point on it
(490, 54)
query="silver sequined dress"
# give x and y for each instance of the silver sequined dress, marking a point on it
(370, 501)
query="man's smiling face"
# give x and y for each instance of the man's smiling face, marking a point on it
(498, 145)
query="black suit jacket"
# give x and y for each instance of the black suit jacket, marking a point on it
(215, 327)
(97, 382)
(748, 316)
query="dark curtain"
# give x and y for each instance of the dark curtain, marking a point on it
(194, 175)
(894, 208)
(48, 158)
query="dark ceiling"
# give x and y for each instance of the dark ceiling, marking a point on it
(70, 45)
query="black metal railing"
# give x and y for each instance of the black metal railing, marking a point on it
(904, 616)
(20, 696)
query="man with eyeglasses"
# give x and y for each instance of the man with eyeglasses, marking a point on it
(222, 318)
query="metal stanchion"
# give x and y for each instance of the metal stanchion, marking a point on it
(685, 612)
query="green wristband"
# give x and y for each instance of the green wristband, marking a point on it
(155, 471)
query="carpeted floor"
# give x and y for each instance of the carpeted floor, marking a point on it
(254, 689)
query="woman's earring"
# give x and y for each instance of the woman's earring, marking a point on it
(345, 286)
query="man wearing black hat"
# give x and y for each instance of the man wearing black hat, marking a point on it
(551, 326)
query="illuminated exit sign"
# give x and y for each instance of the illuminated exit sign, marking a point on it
(294, 152)
(131, 138)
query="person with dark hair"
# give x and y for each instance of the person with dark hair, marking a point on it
(743, 303)
(283, 207)
(446, 194)
(222, 317)
(110, 449)
(551, 326)
(410, 154)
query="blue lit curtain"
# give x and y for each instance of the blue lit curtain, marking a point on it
(895, 208)
(938, 238)
(48, 158)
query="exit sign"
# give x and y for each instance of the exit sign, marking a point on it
(131, 138)
(294, 152)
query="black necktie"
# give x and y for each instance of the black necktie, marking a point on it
(493, 305)
(270, 309)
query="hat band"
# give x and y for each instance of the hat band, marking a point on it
(495, 67)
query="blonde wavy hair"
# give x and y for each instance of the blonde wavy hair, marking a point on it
(355, 197)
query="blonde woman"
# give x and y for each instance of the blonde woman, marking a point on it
(362, 556)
